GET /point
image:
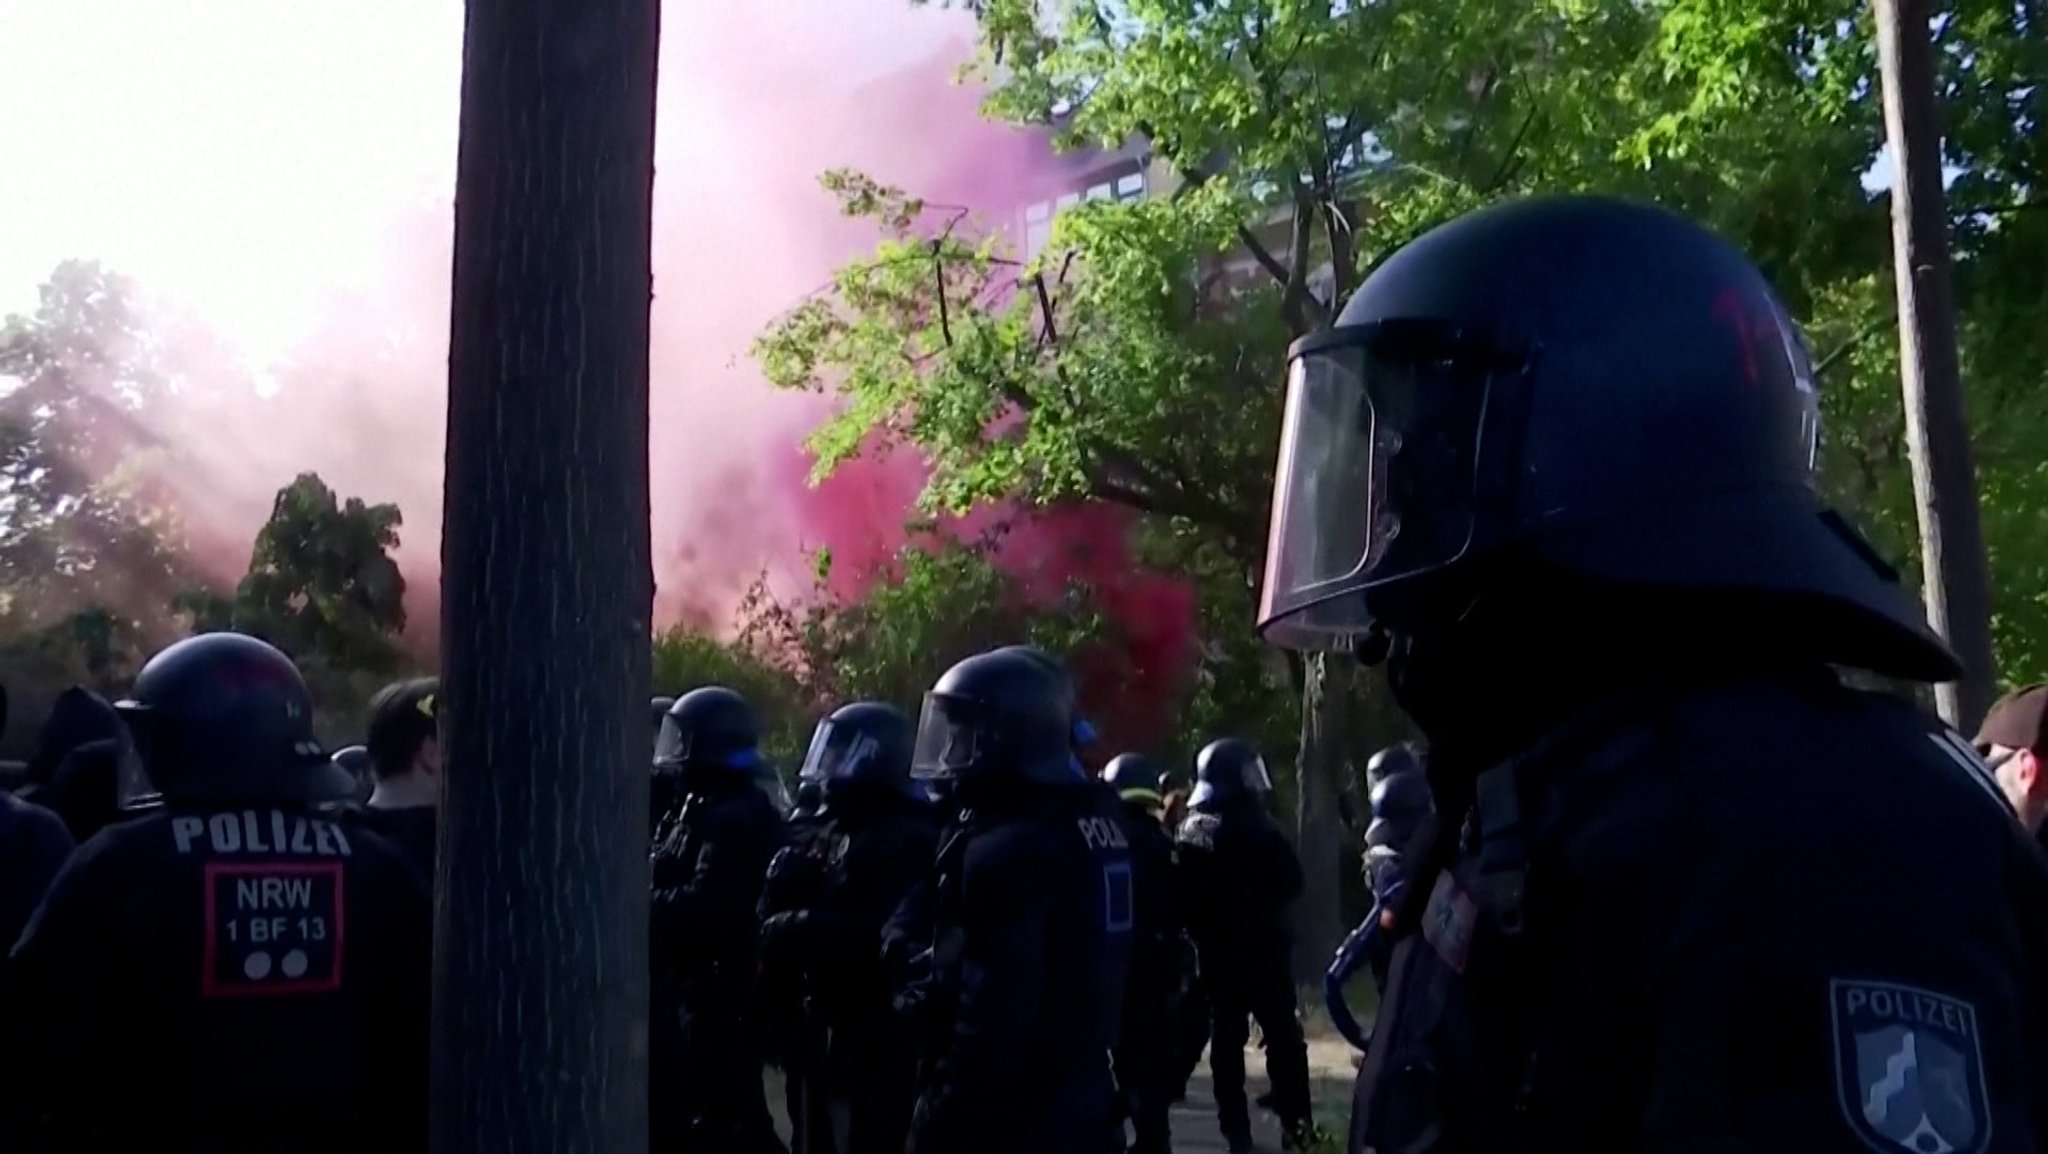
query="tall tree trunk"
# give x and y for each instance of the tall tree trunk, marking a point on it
(1958, 584)
(1319, 826)
(540, 956)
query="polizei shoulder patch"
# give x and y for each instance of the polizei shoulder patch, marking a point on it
(1909, 1070)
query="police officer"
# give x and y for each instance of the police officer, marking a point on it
(1242, 880)
(1397, 783)
(195, 960)
(879, 837)
(1574, 427)
(356, 760)
(1397, 786)
(1145, 1064)
(33, 845)
(707, 1092)
(74, 769)
(805, 806)
(664, 794)
(1034, 914)
(792, 1037)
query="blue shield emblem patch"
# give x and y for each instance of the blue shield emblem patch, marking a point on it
(1909, 1071)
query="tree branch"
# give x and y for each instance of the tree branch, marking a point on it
(1842, 350)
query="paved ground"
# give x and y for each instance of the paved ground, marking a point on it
(1194, 1121)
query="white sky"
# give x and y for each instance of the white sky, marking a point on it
(244, 157)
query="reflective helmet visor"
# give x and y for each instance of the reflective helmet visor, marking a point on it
(838, 751)
(1379, 470)
(951, 737)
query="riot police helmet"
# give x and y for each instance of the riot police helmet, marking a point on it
(356, 760)
(712, 728)
(660, 706)
(1602, 390)
(226, 718)
(862, 747)
(1228, 772)
(1393, 761)
(1082, 731)
(1397, 784)
(1002, 715)
(1135, 779)
(810, 800)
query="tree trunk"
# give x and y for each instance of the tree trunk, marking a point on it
(540, 958)
(1319, 827)
(1957, 583)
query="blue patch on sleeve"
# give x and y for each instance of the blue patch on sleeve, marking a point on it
(1119, 903)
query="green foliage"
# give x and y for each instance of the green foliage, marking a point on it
(322, 580)
(1313, 138)
(940, 601)
(77, 530)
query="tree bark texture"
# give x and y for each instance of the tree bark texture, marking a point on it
(541, 910)
(1957, 580)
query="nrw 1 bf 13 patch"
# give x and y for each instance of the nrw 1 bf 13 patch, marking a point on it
(273, 928)
(1909, 1069)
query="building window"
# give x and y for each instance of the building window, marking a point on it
(1100, 191)
(1130, 186)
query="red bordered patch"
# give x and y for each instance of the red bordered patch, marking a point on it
(272, 928)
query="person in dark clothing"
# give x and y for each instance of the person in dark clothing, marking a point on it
(805, 805)
(1643, 915)
(709, 863)
(1397, 783)
(33, 846)
(196, 958)
(1191, 1024)
(1145, 1060)
(2013, 740)
(666, 792)
(404, 744)
(1034, 911)
(879, 836)
(1397, 789)
(1242, 881)
(74, 769)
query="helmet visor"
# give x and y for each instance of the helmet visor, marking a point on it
(1378, 472)
(671, 746)
(950, 735)
(838, 751)
(134, 792)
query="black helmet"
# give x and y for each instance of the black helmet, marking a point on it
(1005, 713)
(356, 760)
(1134, 778)
(1398, 788)
(864, 746)
(1227, 772)
(810, 799)
(1608, 389)
(1392, 761)
(223, 717)
(712, 726)
(1083, 732)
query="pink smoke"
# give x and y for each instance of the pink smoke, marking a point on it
(757, 99)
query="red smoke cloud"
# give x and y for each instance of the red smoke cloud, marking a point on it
(757, 99)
